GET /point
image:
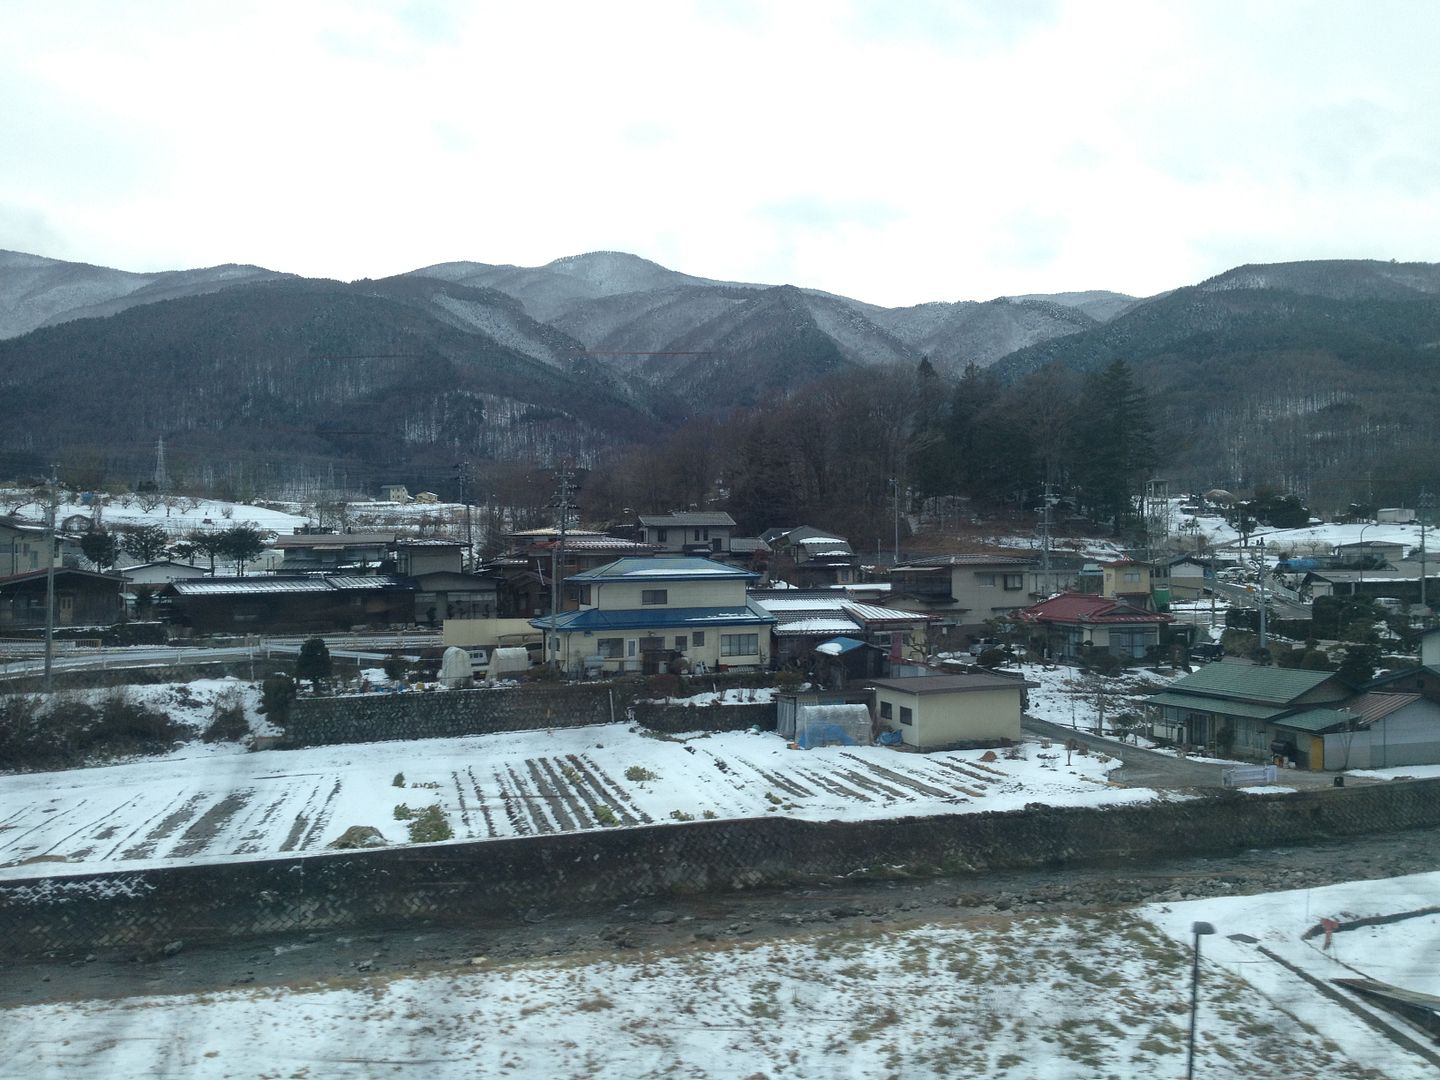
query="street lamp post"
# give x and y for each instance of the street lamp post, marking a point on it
(1199, 929)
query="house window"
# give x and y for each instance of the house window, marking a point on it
(611, 648)
(885, 711)
(906, 716)
(630, 651)
(679, 642)
(698, 638)
(1014, 581)
(1132, 577)
(739, 644)
(661, 535)
(987, 580)
(652, 596)
(697, 534)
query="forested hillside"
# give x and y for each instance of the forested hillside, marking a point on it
(264, 383)
(1332, 396)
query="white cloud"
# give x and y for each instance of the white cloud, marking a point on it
(953, 151)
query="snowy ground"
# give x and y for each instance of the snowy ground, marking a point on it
(180, 516)
(1072, 698)
(1076, 998)
(206, 806)
(1401, 953)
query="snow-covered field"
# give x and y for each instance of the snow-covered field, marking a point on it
(206, 806)
(178, 516)
(1402, 953)
(1072, 998)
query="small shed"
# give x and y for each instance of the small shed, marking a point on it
(939, 712)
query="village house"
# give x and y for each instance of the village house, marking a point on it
(22, 547)
(1423, 680)
(313, 603)
(938, 712)
(1401, 582)
(1128, 580)
(703, 533)
(1186, 576)
(966, 591)
(1072, 623)
(82, 598)
(533, 557)
(808, 619)
(1378, 552)
(1251, 712)
(645, 614)
(351, 552)
(161, 573)
(816, 557)
(1375, 730)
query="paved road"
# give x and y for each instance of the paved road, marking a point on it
(1281, 606)
(1160, 769)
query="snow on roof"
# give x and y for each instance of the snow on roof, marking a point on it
(871, 613)
(802, 625)
(270, 585)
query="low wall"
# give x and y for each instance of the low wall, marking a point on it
(450, 713)
(139, 911)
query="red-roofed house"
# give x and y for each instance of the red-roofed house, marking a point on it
(1073, 620)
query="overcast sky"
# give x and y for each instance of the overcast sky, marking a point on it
(895, 152)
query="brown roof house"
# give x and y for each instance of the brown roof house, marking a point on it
(943, 712)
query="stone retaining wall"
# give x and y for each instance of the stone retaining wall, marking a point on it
(139, 911)
(444, 714)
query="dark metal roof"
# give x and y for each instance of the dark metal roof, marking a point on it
(951, 684)
(682, 520)
(970, 559)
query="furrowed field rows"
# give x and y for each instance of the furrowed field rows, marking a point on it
(523, 784)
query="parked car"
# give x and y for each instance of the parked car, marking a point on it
(1206, 651)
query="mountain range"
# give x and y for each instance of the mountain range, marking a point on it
(535, 363)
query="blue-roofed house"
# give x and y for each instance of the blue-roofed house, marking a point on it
(642, 614)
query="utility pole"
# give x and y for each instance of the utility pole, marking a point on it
(557, 555)
(1045, 543)
(464, 468)
(1424, 504)
(1199, 929)
(51, 505)
(1261, 545)
(895, 483)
